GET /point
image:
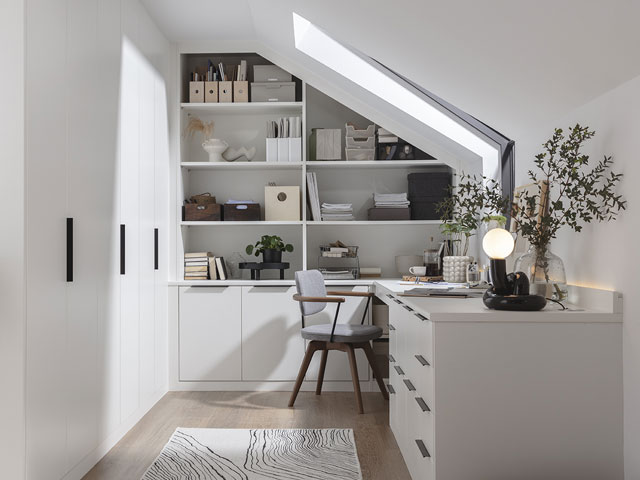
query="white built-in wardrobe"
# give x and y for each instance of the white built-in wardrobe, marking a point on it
(97, 153)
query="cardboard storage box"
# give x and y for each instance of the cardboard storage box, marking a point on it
(241, 212)
(240, 91)
(282, 204)
(225, 92)
(196, 92)
(325, 144)
(211, 92)
(273, 92)
(270, 73)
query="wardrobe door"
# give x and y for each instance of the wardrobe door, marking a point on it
(46, 252)
(129, 217)
(84, 206)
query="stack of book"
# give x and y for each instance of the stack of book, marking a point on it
(337, 211)
(204, 266)
(387, 144)
(385, 136)
(391, 200)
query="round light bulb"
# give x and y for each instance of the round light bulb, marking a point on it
(498, 243)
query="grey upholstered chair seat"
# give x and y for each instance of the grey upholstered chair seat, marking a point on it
(344, 333)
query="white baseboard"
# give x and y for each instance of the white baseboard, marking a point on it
(328, 386)
(92, 458)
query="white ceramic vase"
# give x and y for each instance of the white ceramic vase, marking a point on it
(215, 147)
(454, 268)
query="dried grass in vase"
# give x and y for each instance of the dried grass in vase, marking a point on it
(197, 125)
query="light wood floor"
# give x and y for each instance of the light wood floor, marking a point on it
(379, 456)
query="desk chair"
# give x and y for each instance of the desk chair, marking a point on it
(313, 298)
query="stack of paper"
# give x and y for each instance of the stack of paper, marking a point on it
(391, 200)
(337, 211)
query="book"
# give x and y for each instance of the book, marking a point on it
(203, 268)
(312, 196)
(338, 250)
(221, 267)
(197, 278)
(197, 255)
(196, 264)
(387, 139)
(213, 273)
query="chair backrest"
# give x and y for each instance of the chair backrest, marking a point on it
(310, 283)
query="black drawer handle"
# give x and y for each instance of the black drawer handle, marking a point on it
(122, 252)
(389, 295)
(421, 317)
(409, 385)
(69, 249)
(391, 389)
(155, 249)
(423, 404)
(391, 359)
(422, 361)
(397, 301)
(423, 449)
(399, 371)
(407, 307)
(391, 327)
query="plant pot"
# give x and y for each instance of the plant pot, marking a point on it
(454, 268)
(272, 255)
(545, 272)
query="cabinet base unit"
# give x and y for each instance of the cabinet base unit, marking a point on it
(481, 394)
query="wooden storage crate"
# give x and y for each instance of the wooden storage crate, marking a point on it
(194, 212)
(241, 212)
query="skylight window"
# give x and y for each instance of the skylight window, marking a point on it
(381, 82)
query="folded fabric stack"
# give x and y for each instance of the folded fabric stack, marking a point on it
(337, 211)
(391, 200)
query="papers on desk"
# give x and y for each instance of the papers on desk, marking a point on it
(442, 291)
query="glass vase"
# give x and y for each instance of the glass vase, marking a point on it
(546, 273)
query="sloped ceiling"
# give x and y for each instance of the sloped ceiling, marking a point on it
(514, 65)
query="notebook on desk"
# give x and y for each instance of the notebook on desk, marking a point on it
(442, 292)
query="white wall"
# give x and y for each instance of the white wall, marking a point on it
(606, 255)
(94, 366)
(12, 314)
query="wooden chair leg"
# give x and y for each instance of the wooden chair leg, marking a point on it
(311, 349)
(354, 376)
(374, 367)
(323, 365)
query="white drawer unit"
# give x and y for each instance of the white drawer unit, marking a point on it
(485, 394)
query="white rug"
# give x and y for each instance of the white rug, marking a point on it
(234, 454)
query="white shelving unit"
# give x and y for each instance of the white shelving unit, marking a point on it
(341, 181)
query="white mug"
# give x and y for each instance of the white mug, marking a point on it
(419, 271)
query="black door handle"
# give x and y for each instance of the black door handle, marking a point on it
(423, 404)
(409, 385)
(422, 360)
(421, 317)
(391, 389)
(399, 371)
(155, 249)
(391, 359)
(423, 449)
(69, 249)
(122, 249)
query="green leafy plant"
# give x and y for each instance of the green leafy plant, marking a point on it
(268, 242)
(471, 202)
(567, 191)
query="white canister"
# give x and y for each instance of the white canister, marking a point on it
(454, 268)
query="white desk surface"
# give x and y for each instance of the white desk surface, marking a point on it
(473, 310)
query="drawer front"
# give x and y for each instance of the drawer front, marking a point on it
(420, 447)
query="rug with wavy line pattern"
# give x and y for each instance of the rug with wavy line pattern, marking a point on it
(242, 454)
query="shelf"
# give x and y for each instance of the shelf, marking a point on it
(354, 223)
(263, 283)
(243, 108)
(241, 165)
(321, 164)
(235, 224)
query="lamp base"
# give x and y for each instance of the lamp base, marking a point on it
(526, 303)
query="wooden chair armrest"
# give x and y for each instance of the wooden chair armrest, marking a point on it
(352, 294)
(300, 298)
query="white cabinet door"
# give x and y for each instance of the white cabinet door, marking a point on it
(210, 333)
(351, 311)
(272, 348)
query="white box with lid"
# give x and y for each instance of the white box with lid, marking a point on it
(270, 73)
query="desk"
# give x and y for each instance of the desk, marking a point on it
(481, 394)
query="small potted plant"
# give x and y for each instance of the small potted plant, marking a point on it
(271, 247)
(474, 200)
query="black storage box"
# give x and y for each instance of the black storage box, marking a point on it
(381, 213)
(426, 190)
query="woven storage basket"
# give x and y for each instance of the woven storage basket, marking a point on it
(203, 199)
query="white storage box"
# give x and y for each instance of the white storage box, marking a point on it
(270, 73)
(282, 204)
(360, 153)
(370, 131)
(273, 92)
(369, 142)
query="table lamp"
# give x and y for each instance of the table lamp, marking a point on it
(509, 291)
